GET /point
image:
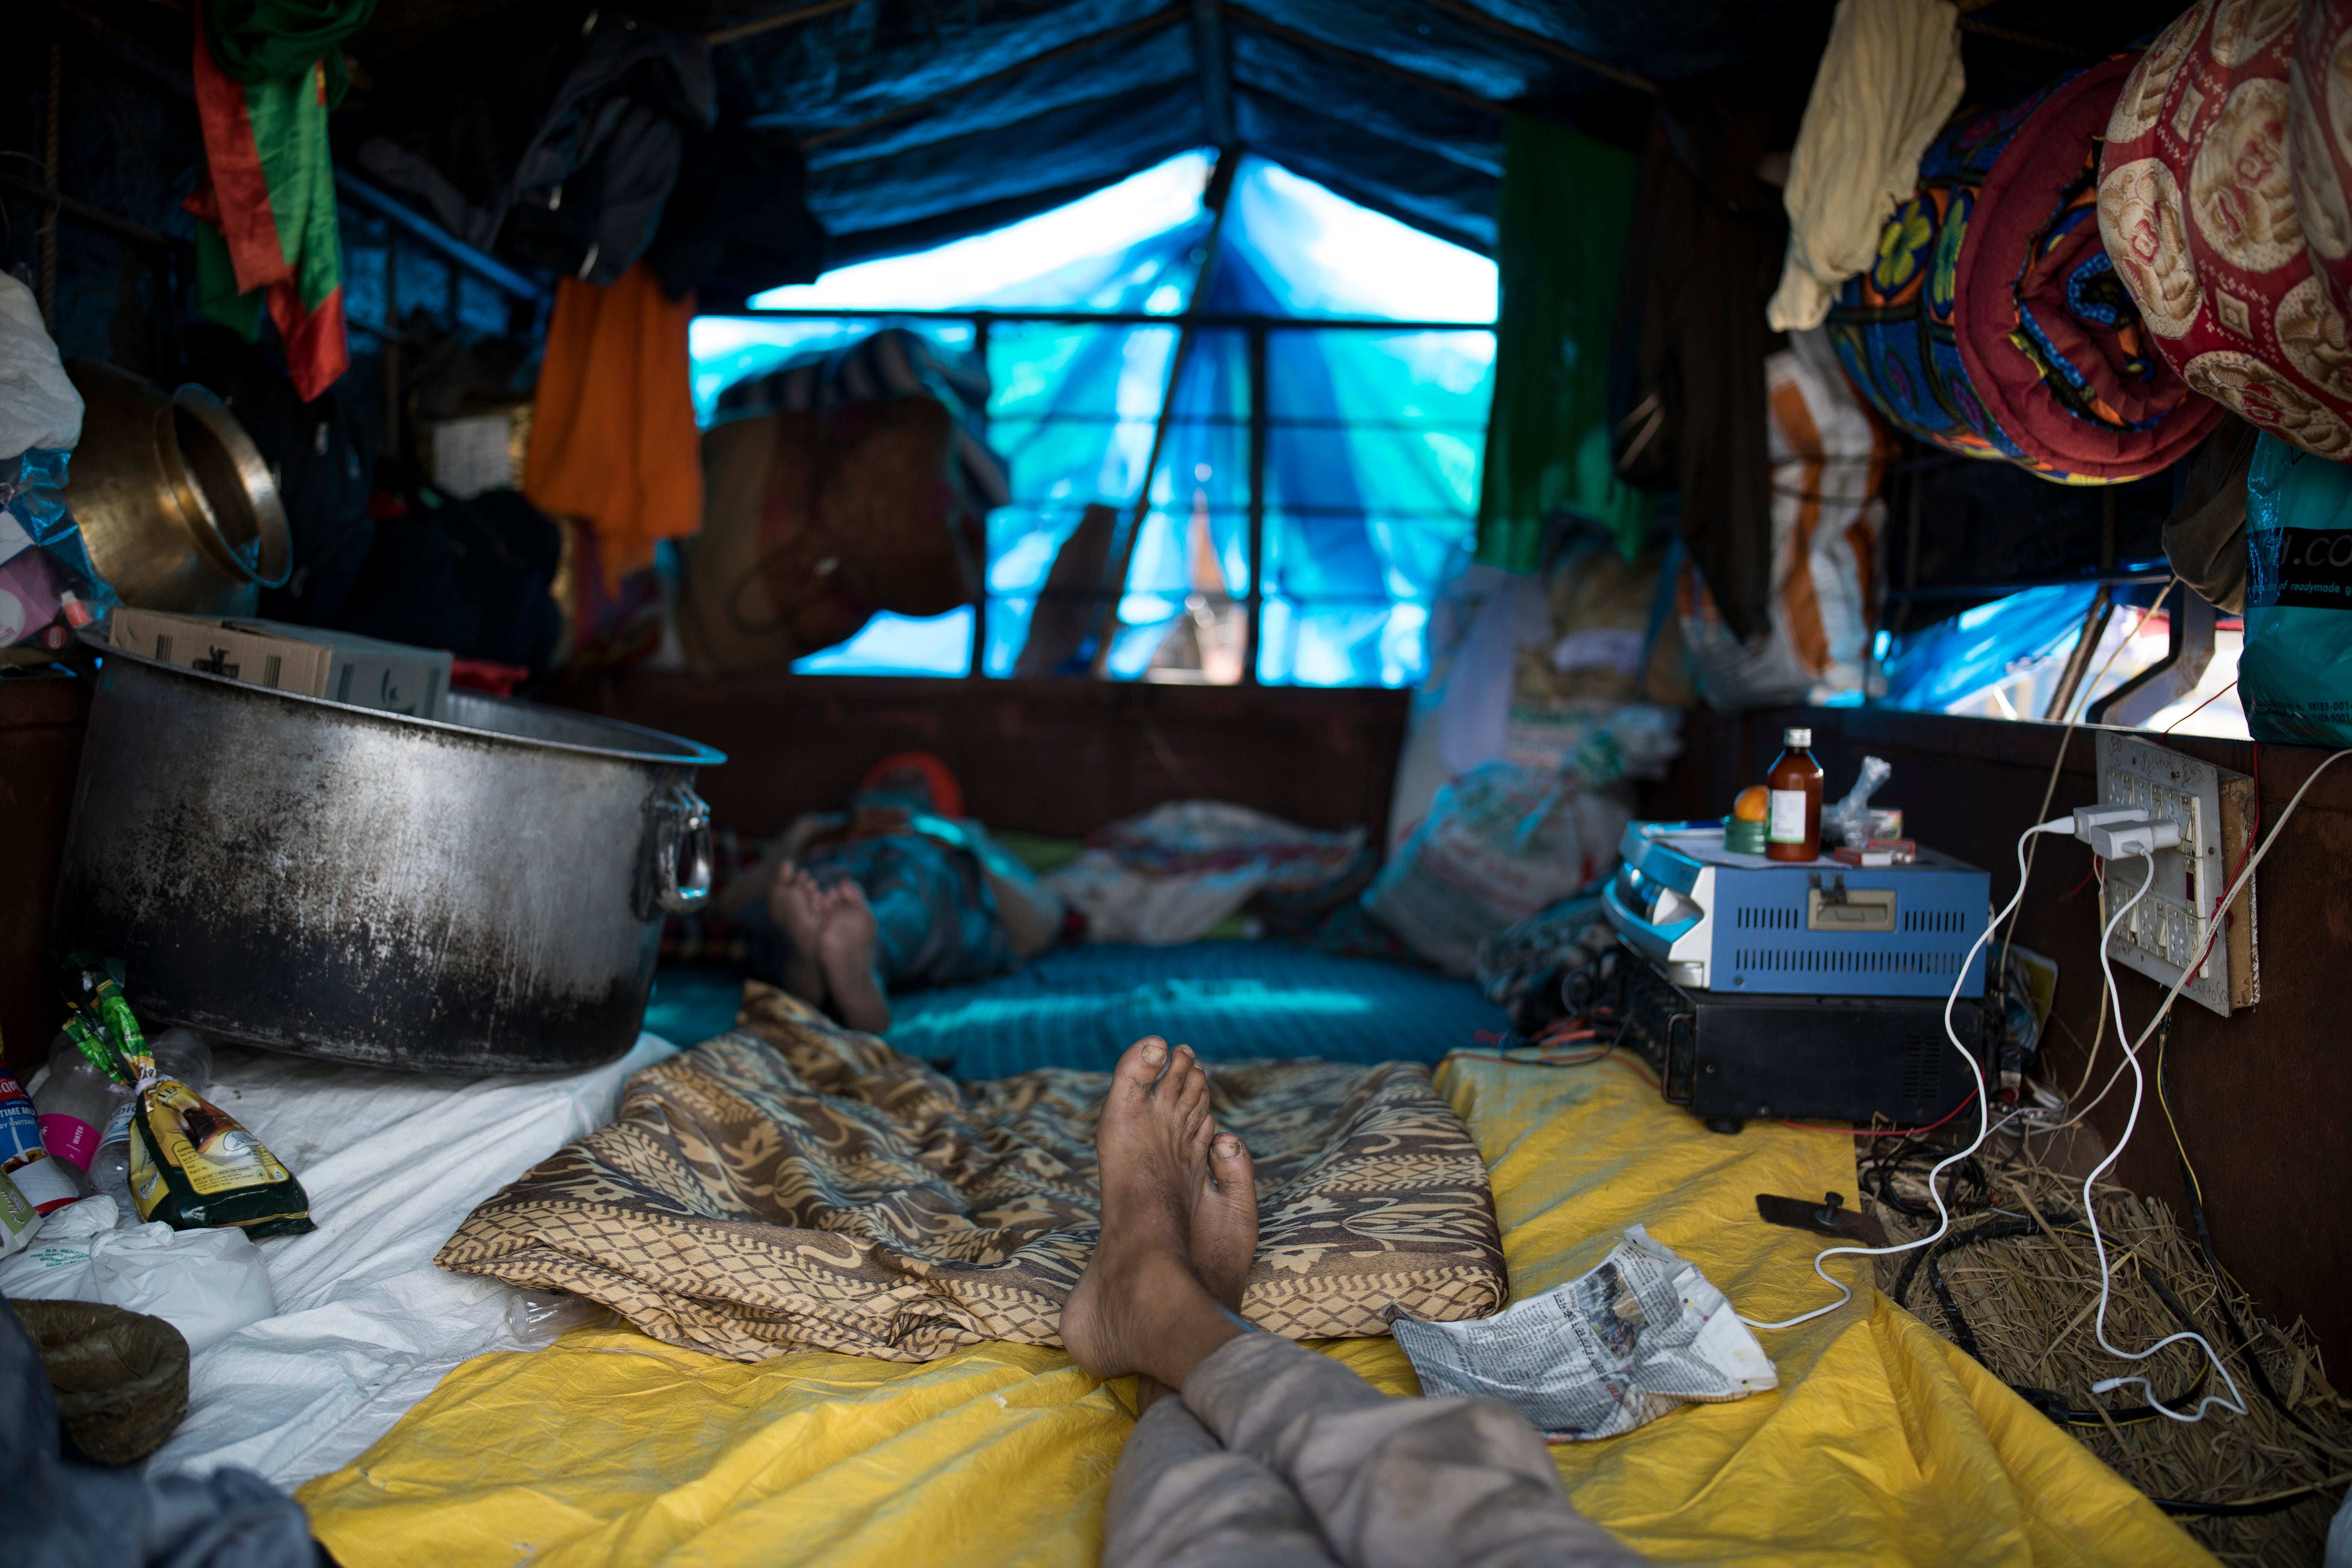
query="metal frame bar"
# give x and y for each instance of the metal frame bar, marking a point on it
(1260, 428)
(1216, 198)
(1111, 319)
(360, 194)
(1999, 590)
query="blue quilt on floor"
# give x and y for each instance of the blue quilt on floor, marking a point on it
(1080, 1006)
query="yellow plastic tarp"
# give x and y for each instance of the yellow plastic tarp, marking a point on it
(1883, 1444)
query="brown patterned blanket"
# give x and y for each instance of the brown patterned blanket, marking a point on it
(792, 1185)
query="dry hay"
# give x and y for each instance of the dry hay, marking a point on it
(2029, 1304)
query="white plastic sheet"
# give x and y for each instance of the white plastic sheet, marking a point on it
(364, 1324)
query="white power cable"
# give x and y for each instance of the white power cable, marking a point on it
(1984, 1107)
(2236, 1404)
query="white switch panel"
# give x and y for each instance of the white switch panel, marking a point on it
(2169, 928)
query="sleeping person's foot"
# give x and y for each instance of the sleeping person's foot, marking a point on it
(845, 949)
(1141, 1307)
(797, 906)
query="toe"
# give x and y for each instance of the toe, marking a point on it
(1141, 1066)
(1230, 1164)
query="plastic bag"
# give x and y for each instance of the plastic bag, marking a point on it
(2296, 674)
(38, 404)
(1499, 843)
(205, 1283)
(1848, 822)
(48, 585)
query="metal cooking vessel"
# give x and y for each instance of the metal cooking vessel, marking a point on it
(174, 502)
(480, 894)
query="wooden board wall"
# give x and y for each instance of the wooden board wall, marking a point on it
(41, 721)
(1036, 756)
(2264, 1097)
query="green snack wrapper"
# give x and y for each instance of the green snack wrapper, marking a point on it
(193, 1165)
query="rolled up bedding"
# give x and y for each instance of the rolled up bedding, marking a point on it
(1993, 323)
(2222, 200)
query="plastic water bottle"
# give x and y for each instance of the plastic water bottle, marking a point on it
(76, 1101)
(181, 1054)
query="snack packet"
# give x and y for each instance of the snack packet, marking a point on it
(193, 1165)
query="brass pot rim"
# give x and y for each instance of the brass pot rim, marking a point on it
(273, 560)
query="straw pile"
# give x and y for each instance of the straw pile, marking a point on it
(2028, 1302)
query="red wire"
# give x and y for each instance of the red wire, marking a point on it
(1885, 1131)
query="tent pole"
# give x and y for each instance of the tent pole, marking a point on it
(1122, 551)
(1259, 429)
(980, 604)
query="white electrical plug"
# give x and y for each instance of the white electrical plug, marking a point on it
(2119, 832)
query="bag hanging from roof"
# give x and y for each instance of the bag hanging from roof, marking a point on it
(1993, 323)
(2296, 674)
(2223, 198)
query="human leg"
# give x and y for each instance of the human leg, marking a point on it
(1395, 1483)
(1388, 1483)
(1180, 1499)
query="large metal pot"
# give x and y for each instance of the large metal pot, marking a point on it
(175, 504)
(480, 894)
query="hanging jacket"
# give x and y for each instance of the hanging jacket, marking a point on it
(563, 158)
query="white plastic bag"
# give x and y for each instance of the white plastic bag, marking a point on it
(205, 1283)
(39, 405)
(1499, 843)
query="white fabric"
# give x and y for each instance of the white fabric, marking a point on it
(365, 1325)
(1888, 81)
(39, 405)
(1828, 455)
(1124, 904)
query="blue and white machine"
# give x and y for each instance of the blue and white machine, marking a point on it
(1713, 919)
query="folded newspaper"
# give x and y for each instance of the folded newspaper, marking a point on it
(1606, 1352)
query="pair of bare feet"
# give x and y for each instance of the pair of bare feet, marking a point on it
(832, 933)
(1179, 1226)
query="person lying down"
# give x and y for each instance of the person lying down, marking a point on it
(1253, 1451)
(898, 891)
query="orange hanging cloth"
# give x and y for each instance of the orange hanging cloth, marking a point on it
(613, 437)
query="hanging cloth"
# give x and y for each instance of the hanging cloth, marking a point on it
(1687, 370)
(268, 193)
(613, 437)
(1567, 202)
(1888, 81)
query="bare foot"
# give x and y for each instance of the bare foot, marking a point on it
(797, 906)
(845, 949)
(1140, 1308)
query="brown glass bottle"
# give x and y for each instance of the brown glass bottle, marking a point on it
(1792, 803)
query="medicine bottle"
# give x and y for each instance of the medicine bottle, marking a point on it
(1792, 810)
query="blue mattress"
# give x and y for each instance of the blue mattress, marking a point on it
(1080, 1006)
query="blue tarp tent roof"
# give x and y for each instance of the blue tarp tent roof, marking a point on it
(924, 120)
(927, 119)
